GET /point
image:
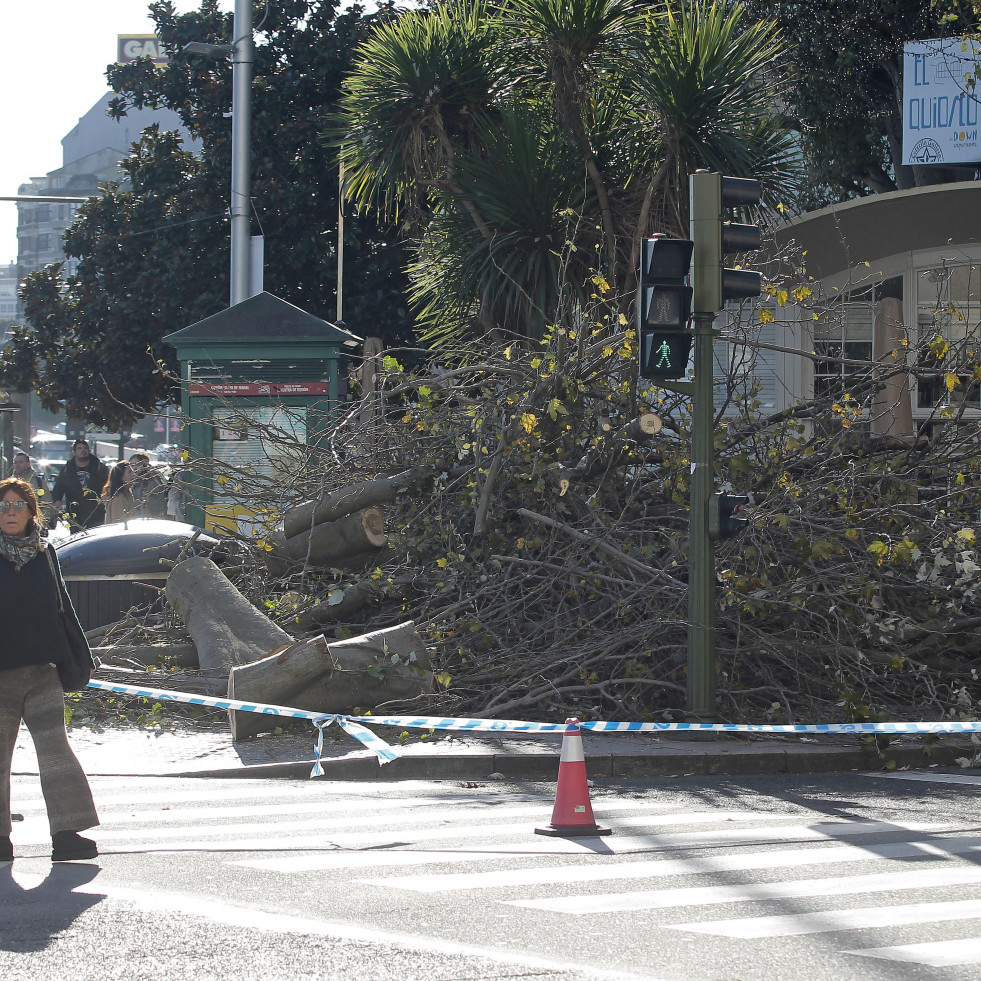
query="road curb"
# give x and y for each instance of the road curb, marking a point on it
(541, 766)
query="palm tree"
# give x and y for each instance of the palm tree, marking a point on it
(487, 125)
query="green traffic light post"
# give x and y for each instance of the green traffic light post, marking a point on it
(713, 284)
(665, 304)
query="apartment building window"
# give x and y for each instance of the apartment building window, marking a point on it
(948, 312)
(843, 343)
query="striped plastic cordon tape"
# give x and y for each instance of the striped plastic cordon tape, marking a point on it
(354, 725)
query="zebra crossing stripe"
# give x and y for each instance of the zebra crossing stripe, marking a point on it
(628, 842)
(938, 953)
(336, 838)
(783, 858)
(833, 921)
(927, 777)
(754, 892)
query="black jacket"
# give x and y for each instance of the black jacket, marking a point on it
(82, 488)
(32, 632)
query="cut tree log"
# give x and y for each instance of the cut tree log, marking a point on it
(341, 603)
(329, 543)
(368, 493)
(225, 627)
(335, 677)
(178, 655)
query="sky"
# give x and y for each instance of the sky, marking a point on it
(53, 58)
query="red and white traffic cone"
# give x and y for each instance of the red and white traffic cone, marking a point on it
(572, 815)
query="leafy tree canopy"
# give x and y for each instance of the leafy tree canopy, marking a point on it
(153, 249)
(846, 63)
(486, 126)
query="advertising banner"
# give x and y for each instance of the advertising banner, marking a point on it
(133, 47)
(940, 105)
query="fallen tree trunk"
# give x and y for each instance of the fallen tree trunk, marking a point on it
(347, 535)
(367, 494)
(225, 627)
(341, 603)
(180, 655)
(338, 677)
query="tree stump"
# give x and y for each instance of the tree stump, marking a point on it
(336, 677)
(345, 500)
(345, 536)
(225, 627)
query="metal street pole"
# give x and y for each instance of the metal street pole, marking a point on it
(701, 549)
(705, 210)
(240, 205)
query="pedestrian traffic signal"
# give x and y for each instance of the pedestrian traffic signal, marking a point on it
(664, 307)
(723, 519)
(664, 354)
(715, 238)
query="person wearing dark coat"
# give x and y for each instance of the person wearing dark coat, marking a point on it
(32, 642)
(79, 484)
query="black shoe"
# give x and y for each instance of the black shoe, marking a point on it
(6, 850)
(70, 846)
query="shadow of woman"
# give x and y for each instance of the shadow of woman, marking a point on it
(32, 916)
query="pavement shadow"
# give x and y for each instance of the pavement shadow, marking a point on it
(31, 918)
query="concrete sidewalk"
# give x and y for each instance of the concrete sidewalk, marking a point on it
(467, 756)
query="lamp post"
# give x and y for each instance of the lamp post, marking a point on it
(242, 54)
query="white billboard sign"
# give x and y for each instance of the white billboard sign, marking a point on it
(940, 106)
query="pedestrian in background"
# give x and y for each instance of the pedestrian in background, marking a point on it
(117, 495)
(79, 485)
(149, 488)
(33, 641)
(24, 470)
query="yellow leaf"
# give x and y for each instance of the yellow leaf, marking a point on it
(951, 380)
(442, 563)
(782, 298)
(766, 316)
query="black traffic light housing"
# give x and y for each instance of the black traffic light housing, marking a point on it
(724, 521)
(664, 307)
(715, 238)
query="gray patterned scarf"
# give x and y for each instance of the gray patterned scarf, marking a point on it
(21, 549)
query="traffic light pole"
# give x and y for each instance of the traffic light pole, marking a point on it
(701, 568)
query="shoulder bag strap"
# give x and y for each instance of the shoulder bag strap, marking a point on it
(47, 552)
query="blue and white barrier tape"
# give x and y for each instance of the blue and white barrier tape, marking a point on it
(376, 744)
(354, 725)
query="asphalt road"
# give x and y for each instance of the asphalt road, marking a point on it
(823, 878)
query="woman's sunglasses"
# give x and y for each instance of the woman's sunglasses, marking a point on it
(5, 506)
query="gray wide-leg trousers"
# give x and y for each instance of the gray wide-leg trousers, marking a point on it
(34, 694)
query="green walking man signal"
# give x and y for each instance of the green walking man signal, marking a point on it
(664, 307)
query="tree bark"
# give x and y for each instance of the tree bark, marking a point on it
(343, 676)
(351, 600)
(225, 627)
(368, 493)
(335, 540)
(180, 655)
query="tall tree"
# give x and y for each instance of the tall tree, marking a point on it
(847, 94)
(153, 249)
(535, 143)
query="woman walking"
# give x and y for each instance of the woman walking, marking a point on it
(117, 495)
(32, 642)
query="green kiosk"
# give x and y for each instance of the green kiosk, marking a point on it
(262, 366)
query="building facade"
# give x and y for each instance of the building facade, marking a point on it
(895, 273)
